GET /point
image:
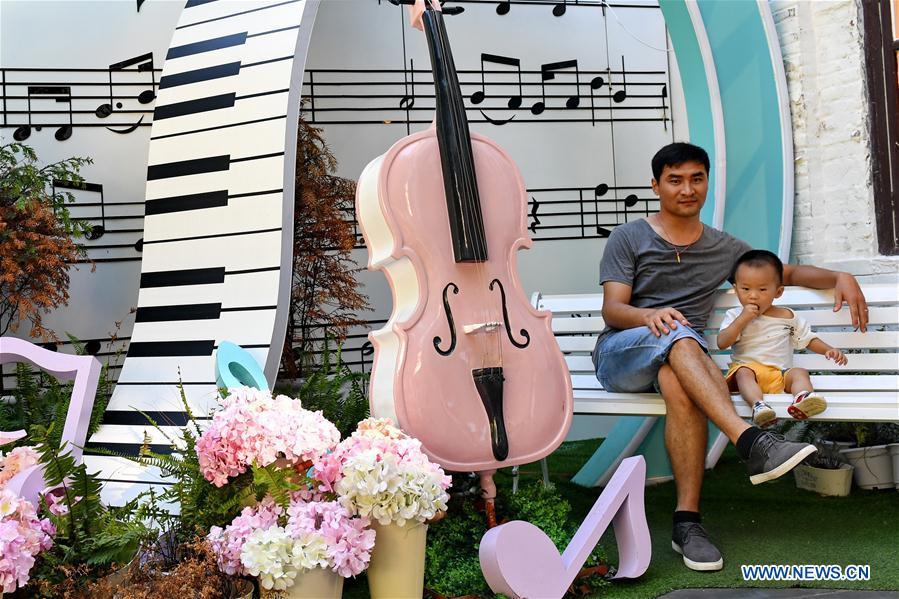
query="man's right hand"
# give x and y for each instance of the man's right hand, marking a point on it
(664, 320)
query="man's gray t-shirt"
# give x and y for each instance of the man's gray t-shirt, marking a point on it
(637, 256)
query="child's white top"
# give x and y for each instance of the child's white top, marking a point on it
(768, 339)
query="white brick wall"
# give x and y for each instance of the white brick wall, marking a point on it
(833, 212)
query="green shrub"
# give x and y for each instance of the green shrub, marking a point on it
(452, 566)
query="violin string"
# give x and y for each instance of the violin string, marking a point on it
(475, 216)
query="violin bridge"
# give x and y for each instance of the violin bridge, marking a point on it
(489, 383)
(481, 327)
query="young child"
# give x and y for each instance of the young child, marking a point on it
(764, 336)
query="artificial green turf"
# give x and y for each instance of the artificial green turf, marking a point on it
(773, 523)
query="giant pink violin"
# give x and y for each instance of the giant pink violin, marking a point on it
(465, 363)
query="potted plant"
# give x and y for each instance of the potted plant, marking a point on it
(825, 473)
(873, 465)
(381, 473)
(296, 542)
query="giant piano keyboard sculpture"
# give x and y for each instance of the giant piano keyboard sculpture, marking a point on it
(218, 231)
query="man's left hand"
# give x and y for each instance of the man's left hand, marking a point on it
(848, 290)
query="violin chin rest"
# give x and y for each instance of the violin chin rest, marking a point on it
(489, 383)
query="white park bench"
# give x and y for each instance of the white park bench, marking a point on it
(865, 389)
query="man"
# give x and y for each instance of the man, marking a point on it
(659, 278)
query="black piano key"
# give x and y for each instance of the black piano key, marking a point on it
(183, 168)
(194, 106)
(144, 418)
(132, 449)
(168, 349)
(237, 14)
(205, 74)
(179, 312)
(191, 3)
(194, 201)
(172, 278)
(216, 43)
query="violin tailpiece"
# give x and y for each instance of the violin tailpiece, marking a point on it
(489, 383)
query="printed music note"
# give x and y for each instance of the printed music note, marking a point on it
(629, 202)
(559, 9)
(595, 84)
(534, 208)
(479, 96)
(144, 63)
(621, 95)
(96, 231)
(367, 349)
(59, 94)
(664, 96)
(408, 101)
(599, 191)
(503, 7)
(511, 553)
(547, 72)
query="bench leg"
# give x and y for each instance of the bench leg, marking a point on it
(544, 466)
(514, 480)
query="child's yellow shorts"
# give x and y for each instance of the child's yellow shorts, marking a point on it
(770, 378)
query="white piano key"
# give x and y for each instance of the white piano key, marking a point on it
(248, 109)
(193, 368)
(245, 252)
(238, 290)
(254, 49)
(134, 434)
(251, 213)
(275, 17)
(202, 399)
(241, 177)
(255, 139)
(252, 326)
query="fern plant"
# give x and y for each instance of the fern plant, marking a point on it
(337, 391)
(90, 538)
(200, 504)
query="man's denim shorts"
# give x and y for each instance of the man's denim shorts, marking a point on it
(628, 361)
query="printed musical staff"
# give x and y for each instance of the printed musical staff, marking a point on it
(552, 94)
(559, 7)
(116, 227)
(557, 213)
(119, 97)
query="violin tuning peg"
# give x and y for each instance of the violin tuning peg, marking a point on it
(402, 2)
(453, 10)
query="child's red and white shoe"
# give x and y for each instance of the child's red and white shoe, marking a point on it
(806, 404)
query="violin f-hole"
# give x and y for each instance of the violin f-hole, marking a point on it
(449, 321)
(523, 332)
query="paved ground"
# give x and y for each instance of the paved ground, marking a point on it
(779, 594)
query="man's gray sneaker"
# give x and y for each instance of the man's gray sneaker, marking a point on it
(772, 456)
(691, 541)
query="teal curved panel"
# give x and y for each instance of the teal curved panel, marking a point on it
(699, 94)
(759, 173)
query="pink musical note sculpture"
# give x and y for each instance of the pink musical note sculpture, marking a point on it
(519, 560)
(86, 371)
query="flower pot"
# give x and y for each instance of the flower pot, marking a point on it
(894, 454)
(243, 589)
(873, 466)
(397, 567)
(318, 583)
(824, 480)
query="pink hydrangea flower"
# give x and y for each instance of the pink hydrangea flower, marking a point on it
(22, 537)
(349, 540)
(255, 429)
(382, 473)
(16, 461)
(227, 543)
